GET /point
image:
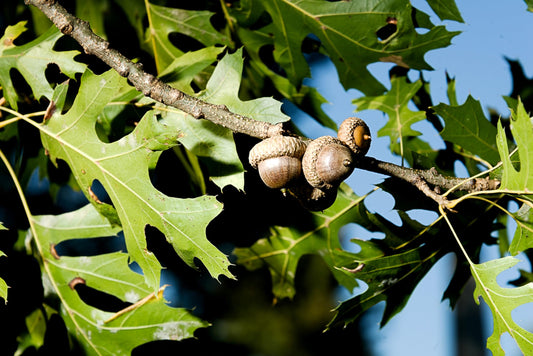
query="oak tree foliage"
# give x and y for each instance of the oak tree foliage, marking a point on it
(127, 222)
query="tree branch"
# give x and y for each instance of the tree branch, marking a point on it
(154, 88)
(430, 176)
(148, 84)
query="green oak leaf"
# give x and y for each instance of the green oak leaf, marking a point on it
(502, 301)
(31, 61)
(395, 105)
(101, 332)
(446, 10)
(164, 21)
(306, 98)
(353, 34)
(466, 126)
(391, 267)
(213, 142)
(520, 179)
(122, 167)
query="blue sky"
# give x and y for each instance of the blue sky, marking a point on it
(493, 30)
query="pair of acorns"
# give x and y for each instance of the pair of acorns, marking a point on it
(311, 170)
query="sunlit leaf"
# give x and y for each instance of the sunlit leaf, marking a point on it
(3, 284)
(467, 127)
(122, 167)
(520, 179)
(102, 332)
(395, 105)
(502, 301)
(446, 10)
(31, 61)
(180, 73)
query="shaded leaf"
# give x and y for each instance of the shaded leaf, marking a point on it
(467, 127)
(391, 267)
(502, 301)
(31, 61)
(102, 332)
(122, 167)
(93, 12)
(306, 98)
(282, 251)
(353, 34)
(395, 105)
(165, 21)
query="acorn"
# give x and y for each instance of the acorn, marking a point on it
(327, 162)
(278, 160)
(355, 134)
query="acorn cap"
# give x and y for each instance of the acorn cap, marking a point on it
(355, 134)
(276, 146)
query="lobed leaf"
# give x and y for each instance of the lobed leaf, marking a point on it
(467, 127)
(517, 179)
(165, 20)
(446, 10)
(31, 61)
(101, 332)
(122, 167)
(395, 104)
(353, 34)
(502, 301)
(523, 236)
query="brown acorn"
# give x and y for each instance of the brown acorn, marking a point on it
(355, 134)
(278, 160)
(327, 162)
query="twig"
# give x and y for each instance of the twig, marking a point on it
(154, 88)
(430, 176)
(148, 84)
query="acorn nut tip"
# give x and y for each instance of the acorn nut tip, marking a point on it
(355, 133)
